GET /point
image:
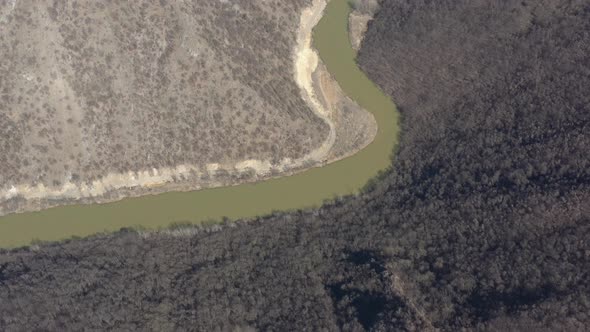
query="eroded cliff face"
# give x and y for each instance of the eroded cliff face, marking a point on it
(149, 137)
(358, 21)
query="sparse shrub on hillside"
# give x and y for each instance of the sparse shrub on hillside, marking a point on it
(151, 76)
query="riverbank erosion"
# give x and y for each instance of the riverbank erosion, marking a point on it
(349, 129)
(250, 201)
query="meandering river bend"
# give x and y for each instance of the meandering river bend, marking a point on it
(307, 189)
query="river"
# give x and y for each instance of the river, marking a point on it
(307, 189)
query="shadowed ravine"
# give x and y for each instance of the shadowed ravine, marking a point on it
(303, 190)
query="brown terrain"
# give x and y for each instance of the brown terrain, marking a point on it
(105, 100)
(363, 12)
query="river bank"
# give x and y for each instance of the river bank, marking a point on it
(350, 129)
(304, 190)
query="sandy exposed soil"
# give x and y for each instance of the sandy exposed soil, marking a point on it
(351, 129)
(357, 27)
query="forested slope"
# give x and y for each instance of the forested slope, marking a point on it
(483, 222)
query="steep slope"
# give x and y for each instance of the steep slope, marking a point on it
(100, 102)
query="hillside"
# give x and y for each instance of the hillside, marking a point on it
(483, 223)
(101, 101)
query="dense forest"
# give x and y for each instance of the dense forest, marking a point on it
(483, 222)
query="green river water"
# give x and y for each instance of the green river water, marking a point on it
(307, 189)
